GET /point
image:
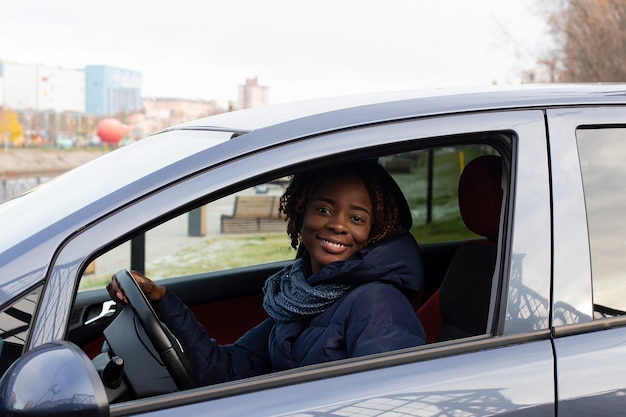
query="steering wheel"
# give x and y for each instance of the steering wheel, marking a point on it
(162, 339)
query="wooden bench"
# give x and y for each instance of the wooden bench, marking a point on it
(253, 214)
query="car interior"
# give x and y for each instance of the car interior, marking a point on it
(456, 195)
(460, 307)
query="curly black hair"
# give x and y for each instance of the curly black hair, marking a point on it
(390, 211)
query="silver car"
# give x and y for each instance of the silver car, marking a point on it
(518, 198)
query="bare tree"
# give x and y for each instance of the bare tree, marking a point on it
(590, 39)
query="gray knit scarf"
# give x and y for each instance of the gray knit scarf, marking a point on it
(289, 297)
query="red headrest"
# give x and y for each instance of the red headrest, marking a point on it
(480, 195)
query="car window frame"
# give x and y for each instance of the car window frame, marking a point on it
(572, 274)
(182, 194)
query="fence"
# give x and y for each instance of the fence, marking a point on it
(15, 186)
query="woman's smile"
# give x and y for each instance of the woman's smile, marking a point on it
(337, 221)
(334, 247)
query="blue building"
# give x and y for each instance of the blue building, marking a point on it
(110, 90)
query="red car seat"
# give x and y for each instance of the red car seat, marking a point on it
(460, 307)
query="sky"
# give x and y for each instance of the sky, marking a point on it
(203, 50)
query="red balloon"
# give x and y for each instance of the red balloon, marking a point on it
(111, 130)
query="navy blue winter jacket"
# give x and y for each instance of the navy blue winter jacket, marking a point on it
(375, 316)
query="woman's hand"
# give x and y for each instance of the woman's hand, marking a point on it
(152, 291)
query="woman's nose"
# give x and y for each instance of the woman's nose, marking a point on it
(336, 224)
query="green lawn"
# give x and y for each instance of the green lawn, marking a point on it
(213, 253)
(223, 252)
(446, 223)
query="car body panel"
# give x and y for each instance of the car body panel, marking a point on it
(572, 268)
(591, 372)
(528, 291)
(516, 380)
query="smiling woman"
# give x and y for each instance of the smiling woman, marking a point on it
(347, 296)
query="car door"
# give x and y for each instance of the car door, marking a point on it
(589, 316)
(508, 370)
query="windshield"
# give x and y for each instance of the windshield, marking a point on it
(23, 215)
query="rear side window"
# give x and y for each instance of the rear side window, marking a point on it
(602, 154)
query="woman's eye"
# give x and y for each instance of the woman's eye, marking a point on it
(322, 210)
(358, 219)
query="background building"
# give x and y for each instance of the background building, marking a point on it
(41, 88)
(173, 111)
(63, 107)
(160, 113)
(543, 72)
(112, 91)
(251, 94)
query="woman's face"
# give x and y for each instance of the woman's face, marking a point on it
(337, 221)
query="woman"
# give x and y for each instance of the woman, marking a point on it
(346, 296)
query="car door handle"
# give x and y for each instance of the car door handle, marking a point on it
(108, 309)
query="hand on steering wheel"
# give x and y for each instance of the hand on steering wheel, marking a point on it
(125, 289)
(152, 291)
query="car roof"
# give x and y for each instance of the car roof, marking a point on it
(417, 103)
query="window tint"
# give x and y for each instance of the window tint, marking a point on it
(602, 154)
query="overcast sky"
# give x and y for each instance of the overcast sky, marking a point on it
(300, 49)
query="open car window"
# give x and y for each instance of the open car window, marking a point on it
(217, 256)
(246, 229)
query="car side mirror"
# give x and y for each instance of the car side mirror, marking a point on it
(54, 379)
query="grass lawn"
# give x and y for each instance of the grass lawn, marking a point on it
(446, 223)
(223, 252)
